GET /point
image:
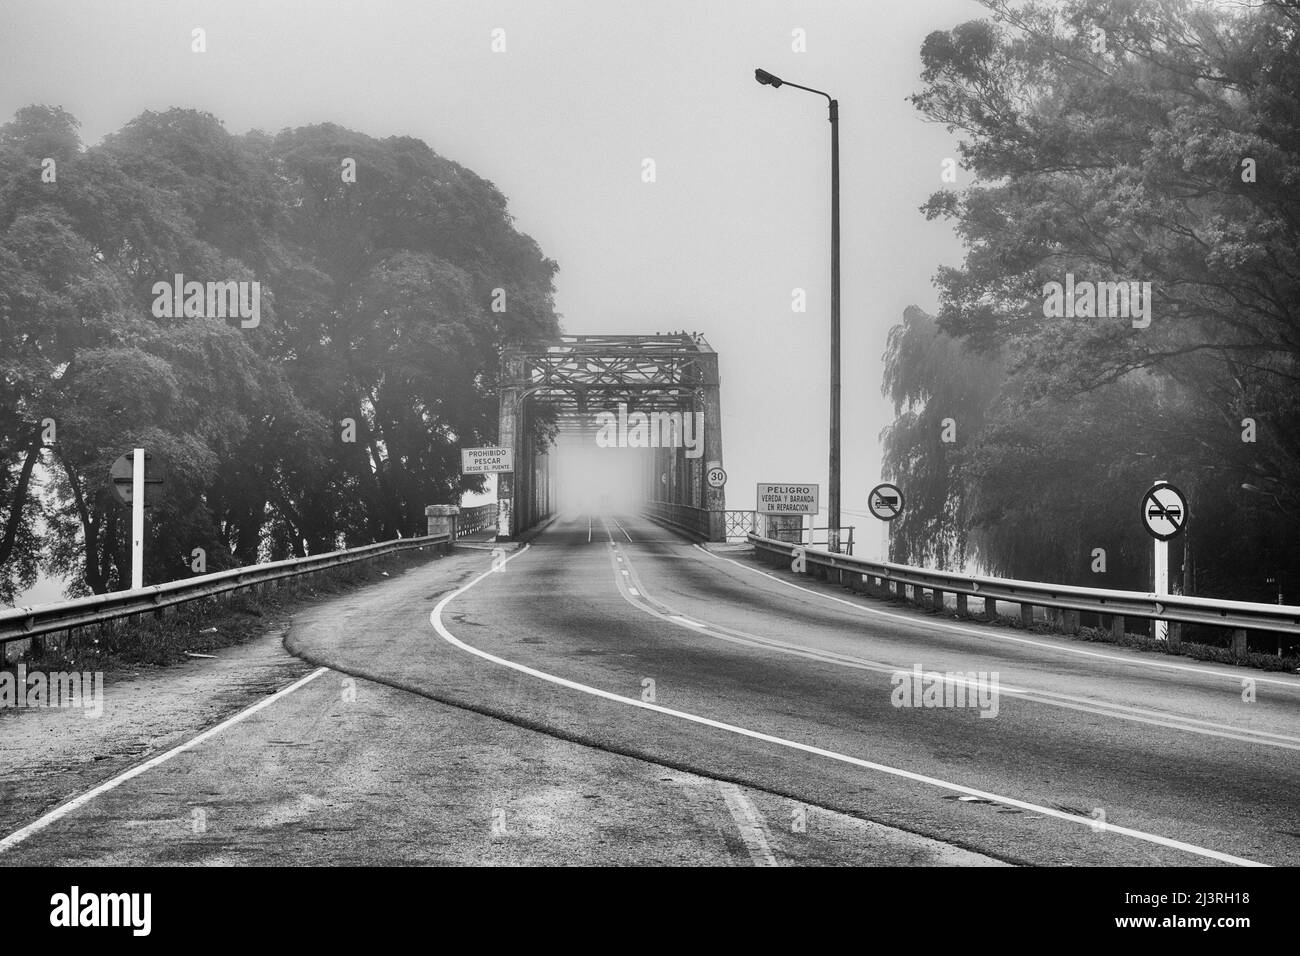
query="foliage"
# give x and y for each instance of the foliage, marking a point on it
(1107, 139)
(375, 306)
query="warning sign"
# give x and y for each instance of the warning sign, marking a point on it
(486, 461)
(787, 499)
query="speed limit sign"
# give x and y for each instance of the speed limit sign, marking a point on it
(716, 477)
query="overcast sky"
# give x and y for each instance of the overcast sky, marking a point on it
(561, 122)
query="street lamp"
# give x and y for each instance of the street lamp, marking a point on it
(833, 509)
(1256, 490)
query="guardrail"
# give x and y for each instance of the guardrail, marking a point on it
(19, 623)
(1240, 616)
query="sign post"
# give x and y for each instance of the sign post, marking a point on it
(885, 501)
(790, 501)
(137, 480)
(1164, 515)
(137, 520)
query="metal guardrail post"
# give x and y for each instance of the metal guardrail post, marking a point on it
(1064, 603)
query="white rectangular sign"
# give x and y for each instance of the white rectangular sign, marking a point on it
(486, 461)
(787, 499)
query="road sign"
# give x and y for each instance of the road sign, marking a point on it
(1164, 511)
(787, 499)
(716, 477)
(885, 501)
(121, 476)
(487, 461)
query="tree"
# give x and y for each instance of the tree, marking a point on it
(1108, 141)
(377, 305)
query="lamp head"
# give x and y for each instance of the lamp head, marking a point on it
(767, 79)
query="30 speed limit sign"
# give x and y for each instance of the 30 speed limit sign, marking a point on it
(715, 476)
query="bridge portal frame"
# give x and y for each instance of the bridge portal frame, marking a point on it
(565, 382)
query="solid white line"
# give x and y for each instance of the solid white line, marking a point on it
(435, 619)
(992, 634)
(588, 529)
(1050, 698)
(753, 831)
(620, 527)
(1179, 722)
(63, 810)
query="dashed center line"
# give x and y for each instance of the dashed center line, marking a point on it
(435, 619)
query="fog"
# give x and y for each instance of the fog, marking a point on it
(595, 480)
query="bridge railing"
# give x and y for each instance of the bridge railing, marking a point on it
(711, 524)
(697, 521)
(812, 537)
(23, 622)
(739, 524)
(1239, 616)
(478, 518)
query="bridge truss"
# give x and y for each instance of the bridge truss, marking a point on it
(558, 389)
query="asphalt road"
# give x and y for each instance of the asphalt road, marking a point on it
(612, 694)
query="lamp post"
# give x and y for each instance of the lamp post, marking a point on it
(1256, 490)
(833, 506)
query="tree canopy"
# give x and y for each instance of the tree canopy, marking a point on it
(390, 279)
(1134, 141)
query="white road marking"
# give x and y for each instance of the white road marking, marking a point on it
(435, 619)
(624, 530)
(588, 529)
(61, 811)
(1050, 698)
(753, 831)
(991, 633)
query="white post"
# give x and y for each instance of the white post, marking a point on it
(1161, 566)
(137, 521)
(1162, 584)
